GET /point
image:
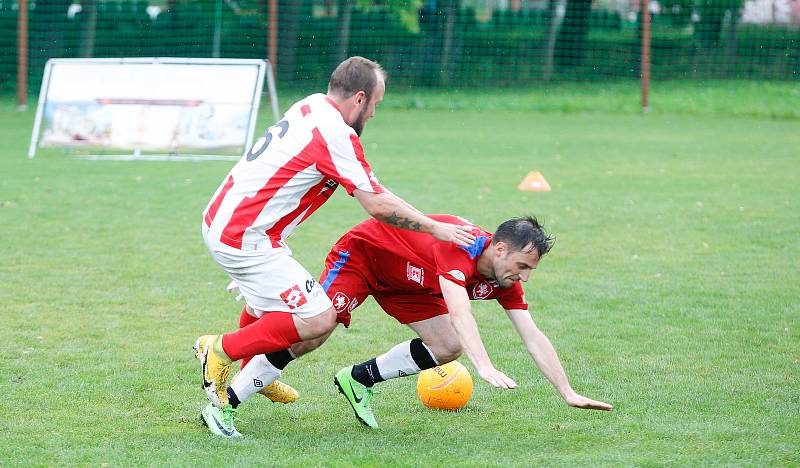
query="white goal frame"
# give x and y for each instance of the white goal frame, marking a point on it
(264, 69)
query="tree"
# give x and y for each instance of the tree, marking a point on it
(290, 15)
(450, 10)
(48, 25)
(708, 30)
(552, 19)
(571, 42)
(714, 14)
(343, 38)
(88, 28)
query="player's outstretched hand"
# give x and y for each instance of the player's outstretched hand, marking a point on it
(459, 235)
(497, 378)
(580, 401)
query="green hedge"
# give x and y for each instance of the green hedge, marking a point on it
(507, 50)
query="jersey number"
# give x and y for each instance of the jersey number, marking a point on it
(263, 142)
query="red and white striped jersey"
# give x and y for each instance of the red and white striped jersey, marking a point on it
(288, 173)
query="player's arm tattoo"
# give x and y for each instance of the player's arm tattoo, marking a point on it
(401, 222)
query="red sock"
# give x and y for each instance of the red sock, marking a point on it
(274, 331)
(244, 320)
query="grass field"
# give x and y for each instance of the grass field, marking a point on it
(672, 292)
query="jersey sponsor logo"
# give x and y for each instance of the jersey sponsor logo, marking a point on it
(340, 301)
(353, 305)
(482, 290)
(294, 297)
(310, 284)
(330, 184)
(415, 273)
(457, 274)
(258, 383)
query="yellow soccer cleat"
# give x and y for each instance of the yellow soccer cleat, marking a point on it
(215, 369)
(280, 392)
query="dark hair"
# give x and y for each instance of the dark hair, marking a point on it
(353, 75)
(524, 234)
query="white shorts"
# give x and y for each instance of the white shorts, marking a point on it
(270, 280)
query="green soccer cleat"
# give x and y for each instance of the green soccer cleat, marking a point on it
(358, 395)
(220, 421)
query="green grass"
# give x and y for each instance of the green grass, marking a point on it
(765, 99)
(672, 293)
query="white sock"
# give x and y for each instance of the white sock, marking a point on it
(398, 362)
(257, 374)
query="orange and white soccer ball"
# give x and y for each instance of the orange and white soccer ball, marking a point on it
(445, 387)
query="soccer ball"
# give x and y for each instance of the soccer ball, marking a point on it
(445, 387)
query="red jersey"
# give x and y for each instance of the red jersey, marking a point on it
(404, 261)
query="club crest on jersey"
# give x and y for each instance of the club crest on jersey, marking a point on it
(482, 290)
(294, 297)
(415, 273)
(340, 301)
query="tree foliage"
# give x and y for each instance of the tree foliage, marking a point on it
(406, 12)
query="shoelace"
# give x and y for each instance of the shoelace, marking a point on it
(367, 399)
(228, 414)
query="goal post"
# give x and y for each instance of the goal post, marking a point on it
(151, 108)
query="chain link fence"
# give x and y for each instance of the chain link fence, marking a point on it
(422, 43)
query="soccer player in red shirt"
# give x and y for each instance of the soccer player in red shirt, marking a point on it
(288, 174)
(428, 285)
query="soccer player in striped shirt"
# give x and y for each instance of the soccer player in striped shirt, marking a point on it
(282, 180)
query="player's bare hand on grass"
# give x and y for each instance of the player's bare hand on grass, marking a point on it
(497, 378)
(459, 235)
(580, 401)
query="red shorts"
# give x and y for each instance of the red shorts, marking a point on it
(349, 278)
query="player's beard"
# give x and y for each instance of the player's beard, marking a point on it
(358, 125)
(508, 283)
(502, 282)
(505, 283)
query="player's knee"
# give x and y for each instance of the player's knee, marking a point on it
(454, 351)
(447, 350)
(324, 322)
(306, 346)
